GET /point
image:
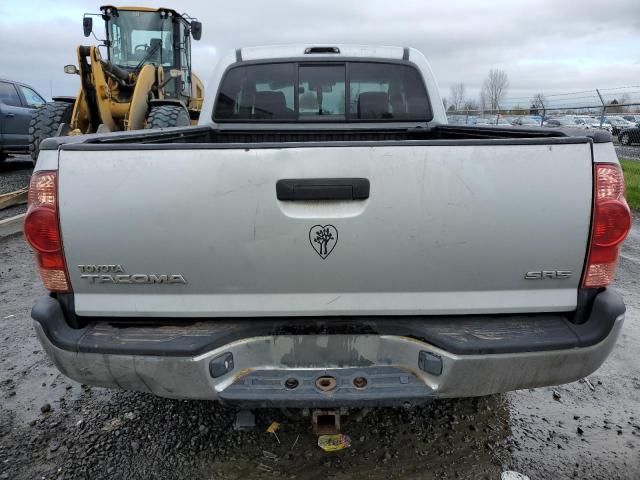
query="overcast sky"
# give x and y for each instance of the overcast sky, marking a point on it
(543, 45)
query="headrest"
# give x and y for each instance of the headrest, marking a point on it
(373, 105)
(269, 102)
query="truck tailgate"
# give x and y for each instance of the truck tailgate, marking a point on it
(200, 232)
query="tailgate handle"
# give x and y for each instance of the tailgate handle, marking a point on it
(293, 189)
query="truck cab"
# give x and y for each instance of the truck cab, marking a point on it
(139, 35)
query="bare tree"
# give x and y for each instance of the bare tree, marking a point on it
(470, 105)
(495, 88)
(538, 101)
(624, 99)
(457, 96)
(538, 104)
(614, 108)
(483, 104)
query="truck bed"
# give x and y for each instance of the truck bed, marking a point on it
(199, 137)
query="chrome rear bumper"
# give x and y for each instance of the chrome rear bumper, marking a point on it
(392, 365)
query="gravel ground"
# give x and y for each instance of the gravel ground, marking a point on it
(52, 427)
(12, 211)
(15, 173)
(631, 152)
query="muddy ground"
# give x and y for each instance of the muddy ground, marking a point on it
(52, 427)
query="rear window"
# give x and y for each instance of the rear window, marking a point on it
(308, 92)
(321, 92)
(386, 91)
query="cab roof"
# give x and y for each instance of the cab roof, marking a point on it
(141, 9)
(323, 50)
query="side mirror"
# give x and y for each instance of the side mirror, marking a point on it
(196, 30)
(87, 26)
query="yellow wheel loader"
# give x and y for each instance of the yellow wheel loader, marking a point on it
(145, 82)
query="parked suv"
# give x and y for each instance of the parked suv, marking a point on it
(17, 102)
(618, 124)
(629, 136)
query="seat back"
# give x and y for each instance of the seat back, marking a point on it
(373, 105)
(269, 104)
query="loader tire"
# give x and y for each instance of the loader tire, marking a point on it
(45, 122)
(163, 116)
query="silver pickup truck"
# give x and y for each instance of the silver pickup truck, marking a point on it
(323, 238)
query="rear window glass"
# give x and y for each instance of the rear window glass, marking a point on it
(321, 92)
(386, 91)
(258, 92)
(307, 92)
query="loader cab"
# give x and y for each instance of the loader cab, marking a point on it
(140, 36)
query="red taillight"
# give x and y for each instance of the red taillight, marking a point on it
(42, 231)
(610, 226)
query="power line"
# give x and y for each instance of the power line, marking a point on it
(567, 94)
(514, 101)
(619, 88)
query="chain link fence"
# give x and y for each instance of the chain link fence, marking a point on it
(615, 109)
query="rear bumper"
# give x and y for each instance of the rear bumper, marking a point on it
(404, 361)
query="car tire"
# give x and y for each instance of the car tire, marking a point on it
(625, 139)
(45, 121)
(164, 116)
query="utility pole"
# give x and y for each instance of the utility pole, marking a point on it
(604, 108)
